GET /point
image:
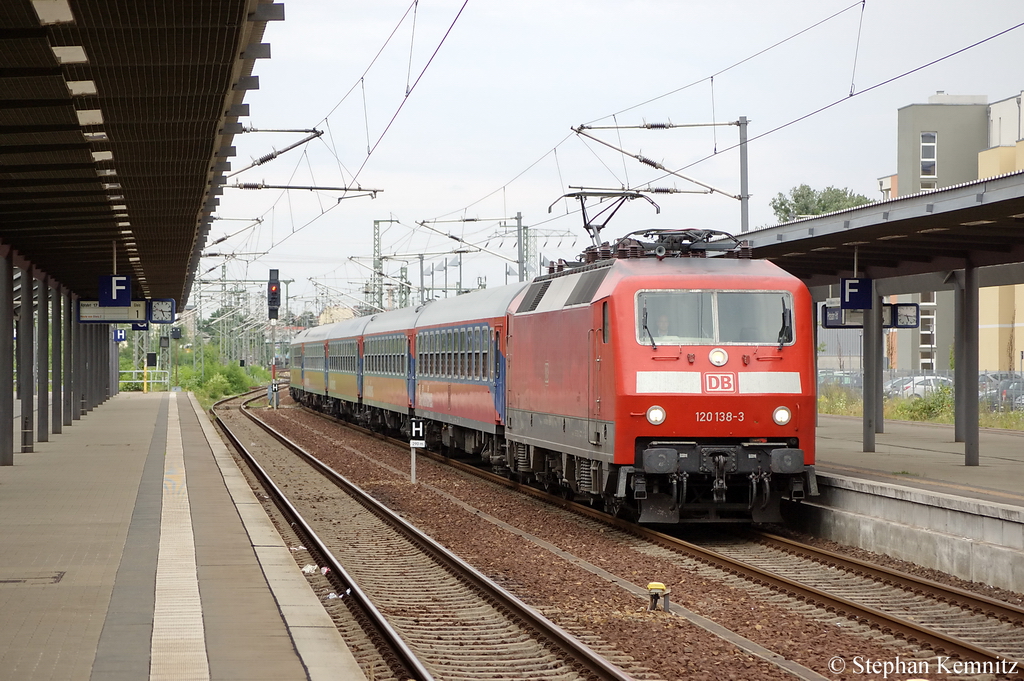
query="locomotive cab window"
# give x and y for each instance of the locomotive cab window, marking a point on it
(688, 317)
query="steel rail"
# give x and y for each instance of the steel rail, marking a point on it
(906, 629)
(582, 656)
(403, 659)
(950, 594)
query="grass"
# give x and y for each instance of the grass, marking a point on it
(935, 408)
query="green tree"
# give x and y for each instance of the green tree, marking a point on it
(803, 201)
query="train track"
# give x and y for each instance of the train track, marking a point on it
(438, 617)
(378, 648)
(986, 627)
(927, 614)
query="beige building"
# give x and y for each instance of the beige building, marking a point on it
(1001, 314)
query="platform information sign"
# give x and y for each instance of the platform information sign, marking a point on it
(907, 316)
(90, 312)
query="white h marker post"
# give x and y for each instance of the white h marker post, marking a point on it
(417, 430)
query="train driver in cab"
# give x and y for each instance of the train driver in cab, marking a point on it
(662, 331)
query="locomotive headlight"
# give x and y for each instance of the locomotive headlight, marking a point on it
(718, 357)
(656, 415)
(782, 415)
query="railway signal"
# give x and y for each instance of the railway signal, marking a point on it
(273, 295)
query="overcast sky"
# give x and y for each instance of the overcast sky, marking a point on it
(486, 130)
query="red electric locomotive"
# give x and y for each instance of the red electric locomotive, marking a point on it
(677, 386)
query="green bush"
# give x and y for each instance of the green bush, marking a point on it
(839, 400)
(217, 386)
(937, 406)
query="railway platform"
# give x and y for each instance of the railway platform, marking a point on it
(914, 499)
(925, 456)
(134, 549)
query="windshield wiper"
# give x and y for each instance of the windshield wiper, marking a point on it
(786, 332)
(654, 346)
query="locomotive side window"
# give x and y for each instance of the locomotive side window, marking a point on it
(606, 322)
(685, 317)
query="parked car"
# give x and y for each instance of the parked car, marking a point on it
(892, 387)
(845, 379)
(1011, 394)
(922, 386)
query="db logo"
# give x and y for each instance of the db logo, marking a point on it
(719, 383)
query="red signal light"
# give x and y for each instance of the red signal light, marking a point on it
(273, 294)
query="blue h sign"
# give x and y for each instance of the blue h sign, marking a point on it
(116, 290)
(120, 335)
(855, 294)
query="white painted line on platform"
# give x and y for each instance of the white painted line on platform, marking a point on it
(178, 650)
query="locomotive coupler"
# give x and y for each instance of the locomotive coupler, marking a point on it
(719, 461)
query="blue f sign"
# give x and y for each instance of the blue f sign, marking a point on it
(856, 294)
(116, 290)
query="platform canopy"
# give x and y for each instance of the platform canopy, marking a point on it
(974, 224)
(116, 125)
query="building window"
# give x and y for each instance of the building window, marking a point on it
(928, 155)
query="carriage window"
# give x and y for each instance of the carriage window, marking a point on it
(476, 352)
(460, 356)
(462, 353)
(605, 323)
(448, 345)
(430, 353)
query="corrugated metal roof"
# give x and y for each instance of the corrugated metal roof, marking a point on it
(135, 165)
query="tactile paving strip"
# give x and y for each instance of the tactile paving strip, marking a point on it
(179, 640)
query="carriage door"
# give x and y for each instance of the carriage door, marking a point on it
(410, 368)
(596, 340)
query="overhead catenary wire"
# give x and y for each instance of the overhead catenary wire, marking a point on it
(662, 96)
(554, 151)
(412, 8)
(412, 43)
(856, 49)
(460, 240)
(734, 65)
(390, 122)
(849, 97)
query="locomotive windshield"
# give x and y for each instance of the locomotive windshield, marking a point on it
(688, 317)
